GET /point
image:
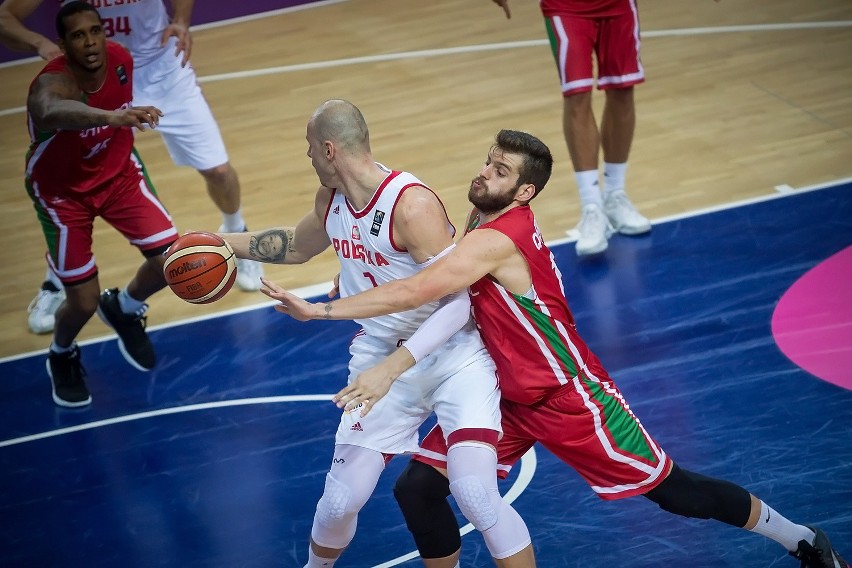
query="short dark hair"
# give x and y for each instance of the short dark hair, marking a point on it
(538, 161)
(70, 9)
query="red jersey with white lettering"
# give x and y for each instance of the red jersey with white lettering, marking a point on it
(586, 8)
(369, 257)
(85, 160)
(532, 338)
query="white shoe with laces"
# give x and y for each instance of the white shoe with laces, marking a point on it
(42, 310)
(594, 230)
(623, 215)
(248, 272)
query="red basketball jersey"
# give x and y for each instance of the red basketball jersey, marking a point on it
(587, 8)
(83, 160)
(532, 338)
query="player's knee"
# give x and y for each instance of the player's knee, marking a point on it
(335, 505)
(422, 492)
(476, 501)
(218, 174)
(693, 495)
(418, 490)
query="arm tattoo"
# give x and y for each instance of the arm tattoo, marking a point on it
(272, 245)
(327, 311)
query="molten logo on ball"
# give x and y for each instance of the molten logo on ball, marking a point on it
(200, 267)
(186, 267)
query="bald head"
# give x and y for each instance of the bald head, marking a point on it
(343, 124)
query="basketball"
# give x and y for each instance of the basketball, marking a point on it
(200, 267)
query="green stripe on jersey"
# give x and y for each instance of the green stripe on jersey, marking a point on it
(622, 427)
(546, 329)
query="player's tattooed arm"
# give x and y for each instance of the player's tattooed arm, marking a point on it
(273, 245)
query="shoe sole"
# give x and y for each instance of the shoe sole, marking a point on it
(62, 401)
(121, 348)
(633, 231)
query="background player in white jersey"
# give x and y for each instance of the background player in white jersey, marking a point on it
(385, 225)
(161, 48)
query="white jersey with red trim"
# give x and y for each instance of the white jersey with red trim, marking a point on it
(364, 243)
(138, 25)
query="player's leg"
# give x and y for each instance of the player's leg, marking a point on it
(349, 483)
(619, 69)
(193, 139)
(361, 445)
(422, 490)
(694, 495)
(572, 41)
(134, 210)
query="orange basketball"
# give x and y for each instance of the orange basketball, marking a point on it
(200, 267)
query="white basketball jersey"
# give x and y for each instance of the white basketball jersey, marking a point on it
(137, 25)
(363, 241)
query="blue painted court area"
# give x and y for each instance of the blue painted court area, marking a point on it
(217, 458)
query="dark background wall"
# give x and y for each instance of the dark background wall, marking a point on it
(42, 20)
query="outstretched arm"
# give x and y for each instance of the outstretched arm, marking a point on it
(55, 103)
(16, 36)
(477, 254)
(286, 245)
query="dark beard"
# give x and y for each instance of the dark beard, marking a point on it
(491, 203)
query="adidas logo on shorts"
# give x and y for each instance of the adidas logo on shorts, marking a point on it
(357, 427)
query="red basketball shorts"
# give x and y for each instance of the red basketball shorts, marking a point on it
(129, 203)
(613, 41)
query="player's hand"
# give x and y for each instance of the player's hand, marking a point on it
(367, 389)
(184, 41)
(290, 304)
(335, 290)
(138, 117)
(505, 5)
(48, 50)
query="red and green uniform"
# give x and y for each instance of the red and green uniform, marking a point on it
(554, 389)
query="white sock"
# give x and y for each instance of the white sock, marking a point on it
(786, 533)
(129, 304)
(57, 349)
(50, 276)
(315, 561)
(587, 185)
(233, 222)
(614, 175)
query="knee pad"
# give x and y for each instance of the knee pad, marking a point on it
(476, 501)
(331, 507)
(421, 492)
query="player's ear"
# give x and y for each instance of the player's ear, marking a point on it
(329, 149)
(525, 192)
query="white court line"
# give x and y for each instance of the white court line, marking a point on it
(474, 49)
(527, 468)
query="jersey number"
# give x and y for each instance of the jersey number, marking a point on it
(371, 278)
(115, 26)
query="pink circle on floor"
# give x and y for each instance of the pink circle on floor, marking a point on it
(812, 323)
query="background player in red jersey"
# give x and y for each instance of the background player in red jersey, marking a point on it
(81, 165)
(607, 30)
(554, 389)
(164, 78)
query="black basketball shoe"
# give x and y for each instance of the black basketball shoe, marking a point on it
(133, 342)
(820, 554)
(67, 374)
